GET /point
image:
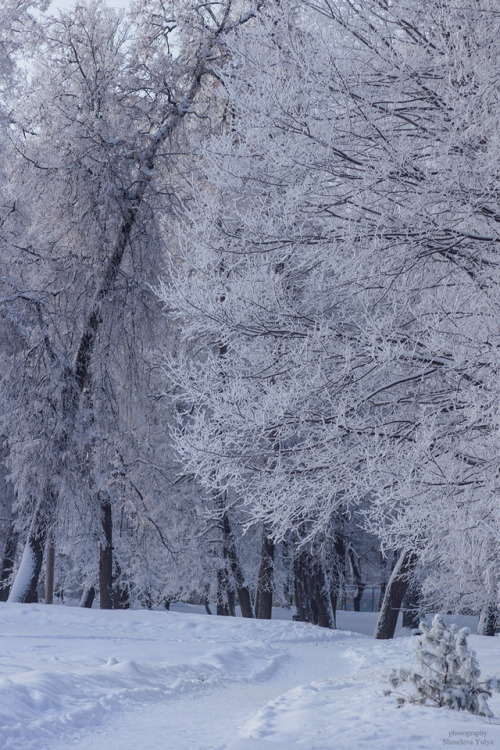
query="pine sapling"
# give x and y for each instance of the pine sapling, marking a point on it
(448, 672)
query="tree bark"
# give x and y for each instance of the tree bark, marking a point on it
(231, 554)
(24, 588)
(9, 556)
(313, 595)
(265, 585)
(411, 606)
(337, 587)
(383, 578)
(324, 608)
(222, 588)
(489, 613)
(121, 593)
(358, 580)
(50, 558)
(488, 619)
(106, 557)
(87, 598)
(394, 593)
(302, 600)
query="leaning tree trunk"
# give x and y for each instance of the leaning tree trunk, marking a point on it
(383, 578)
(411, 606)
(265, 584)
(487, 619)
(394, 593)
(24, 588)
(9, 556)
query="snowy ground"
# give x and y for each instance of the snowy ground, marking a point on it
(138, 680)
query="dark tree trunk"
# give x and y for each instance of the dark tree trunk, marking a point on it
(383, 579)
(324, 609)
(393, 598)
(334, 602)
(106, 557)
(121, 593)
(302, 600)
(338, 584)
(231, 555)
(50, 559)
(488, 619)
(313, 595)
(231, 601)
(9, 556)
(265, 585)
(357, 579)
(87, 598)
(411, 606)
(222, 588)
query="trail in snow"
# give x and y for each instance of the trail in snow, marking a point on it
(139, 680)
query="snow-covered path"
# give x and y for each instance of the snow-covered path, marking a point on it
(138, 680)
(208, 716)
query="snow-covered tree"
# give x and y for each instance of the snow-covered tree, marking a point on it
(98, 149)
(338, 280)
(448, 672)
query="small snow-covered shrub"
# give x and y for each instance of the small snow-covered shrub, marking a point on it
(448, 673)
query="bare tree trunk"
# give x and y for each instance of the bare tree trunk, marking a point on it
(313, 594)
(106, 557)
(302, 600)
(324, 608)
(411, 606)
(394, 593)
(357, 579)
(121, 593)
(265, 585)
(222, 588)
(489, 613)
(337, 585)
(88, 596)
(9, 556)
(383, 579)
(231, 601)
(231, 554)
(50, 558)
(488, 619)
